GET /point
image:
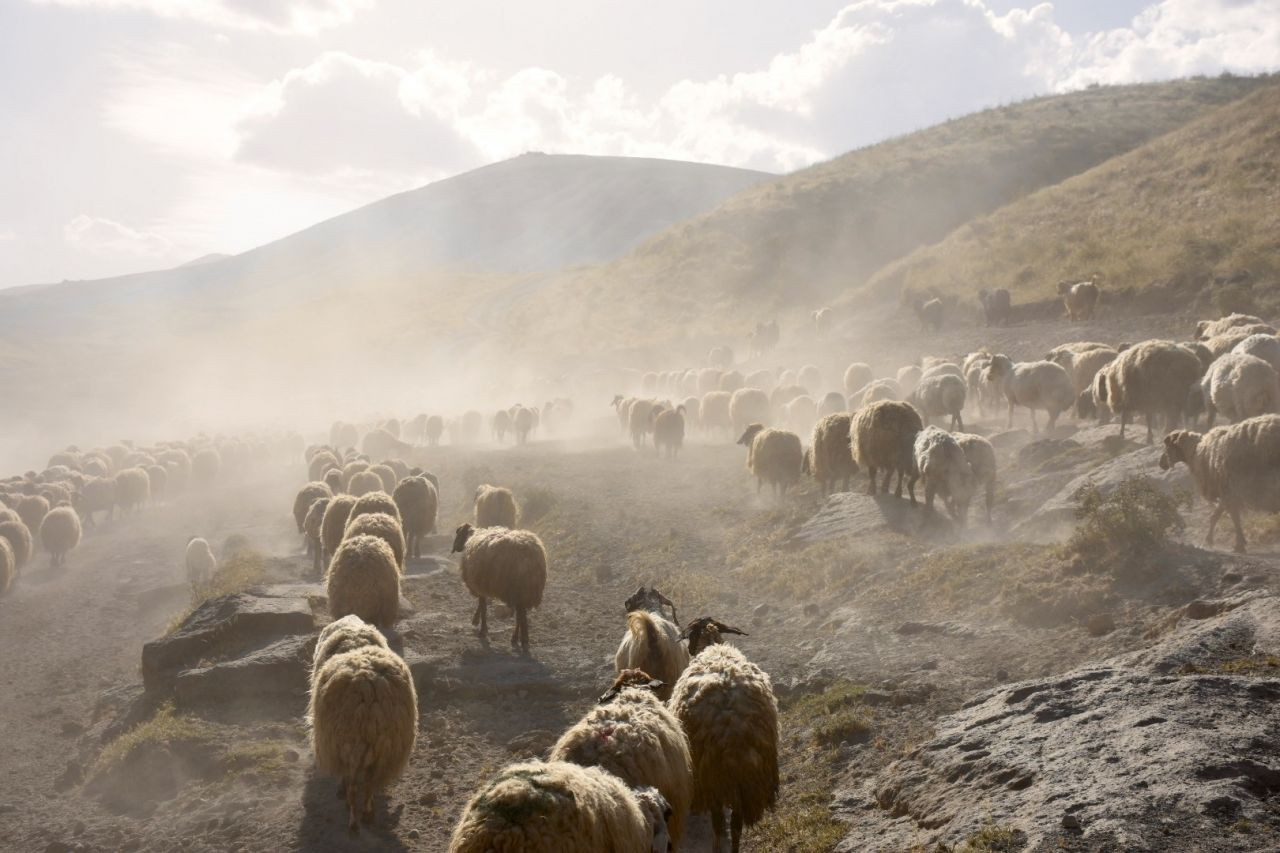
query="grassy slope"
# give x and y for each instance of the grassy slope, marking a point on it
(801, 239)
(1197, 203)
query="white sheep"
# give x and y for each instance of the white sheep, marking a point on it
(133, 488)
(509, 565)
(1034, 384)
(832, 461)
(1150, 378)
(715, 413)
(857, 375)
(940, 395)
(981, 457)
(728, 710)
(1240, 386)
(774, 456)
(882, 436)
(907, 377)
(363, 579)
(1265, 347)
(800, 414)
(748, 406)
(1207, 329)
(652, 642)
(945, 471)
(418, 503)
(59, 533)
(809, 377)
(200, 563)
(668, 431)
(495, 506)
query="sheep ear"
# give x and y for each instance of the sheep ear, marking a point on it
(729, 629)
(608, 696)
(656, 684)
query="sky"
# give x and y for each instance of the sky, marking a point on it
(140, 134)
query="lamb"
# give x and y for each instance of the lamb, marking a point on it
(652, 642)
(381, 525)
(495, 507)
(418, 502)
(748, 406)
(363, 579)
(364, 482)
(996, 306)
(833, 403)
(1235, 467)
(727, 708)
(631, 734)
(334, 523)
(929, 313)
(509, 565)
(1240, 386)
(1265, 347)
(882, 437)
(715, 411)
(1034, 384)
(363, 716)
(200, 564)
(59, 533)
(557, 807)
(1080, 298)
(940, 395)
(857, 375)
(1151, 378)
(18, 535)
(668, 431)
(1207, 329)
(501, 422)
(823, 320)
(981, 457)
(774, 456)
(945, 470)
(311, 532)
(303, 500)
(832, 460)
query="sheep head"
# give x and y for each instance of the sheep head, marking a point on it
(460, 537)
(750, 435)
(631, 678)
(998, 367)
(657, 812)
(705, 631)
(1179, 446)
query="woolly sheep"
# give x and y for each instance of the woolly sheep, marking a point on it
(158, 480)
(303, 500)
(1206, 329)
(379, 524)
(97, 495)
(800, 414)
(1240, 386)
(774, 456)
(832, 404)
(557, 807)
(882, 437)
(321, 463)
(205, 467)
(856, 376)
(379, 443)
(387, 475)
(500, 424)
(1151, 378)
(8, 567)
(1265, 347)
(996, 306)
(981, 457)
(945, 471)
(941, 395)
(378, 501)
(32, 509)
(715, 412)
(787, 377)
(311, 526)
(364, 482)
(652, 642)
(363, 579)
(1080, 298)
(721, 357)
(344, 635)
(809, 377)
(640, 421)
(495, 507)
(200, 563)
(1034, 384)
(523, 421)
(349, 471)
(1220, 345)
(907, 378)
(747, 406)
(782, 395)
(832, 460)
(940, 368)
(709, 380)
(509, 565)
(334, 523)
(727, 708)
(18, 535)
(419, 503)
(668, 431)
(631, 734)
(761, 379)
(363, 716)
(692, 413)
(929, 313)
(1082, 365)
(731, 381)
(874, 392)
(59, 533)
(343, 435)
(1235, 467)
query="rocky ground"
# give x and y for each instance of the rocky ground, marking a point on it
(983, 689)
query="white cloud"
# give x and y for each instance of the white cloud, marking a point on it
(304, 17)
(95, 234)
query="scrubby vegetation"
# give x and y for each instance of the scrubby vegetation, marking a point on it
(1128, 528)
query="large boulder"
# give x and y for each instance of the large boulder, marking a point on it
(276, 675)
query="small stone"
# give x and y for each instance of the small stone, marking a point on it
(413, 833)
(1229, 578)
(429, 799)
(78, 828)
(1099, 624)
(812, 610)
(291, 756)
(1071, 823)
(760, 611)
(1002, 675)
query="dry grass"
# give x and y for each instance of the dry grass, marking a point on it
(235, 574)
(165, 727)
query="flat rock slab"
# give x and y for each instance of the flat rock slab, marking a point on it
(221, 628)
(1059, 510)
(427, 566)
(277, 673)
(857, 513)
(484, 674)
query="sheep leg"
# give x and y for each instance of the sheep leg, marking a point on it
(884, 486)
(929, 492)
(991, 499)
(957, 422)
(1234, 512)
(1213, 523)
(911, 489)
(735, 828)
(871, 490)
(1124, 421)
(1151, 436)
(1011, 407)
(353, 807)
(1035, 430)
(717, 828)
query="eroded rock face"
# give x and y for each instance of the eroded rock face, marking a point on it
(1181, 734)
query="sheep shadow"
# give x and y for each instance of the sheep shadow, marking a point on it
(324, 821)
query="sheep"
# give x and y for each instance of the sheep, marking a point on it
(303, 500)
(762, 379)
(874, 392)
(363, 579)
(495, 507)
(379, 443)
(1207, 329)
(1265, 347)
(945, 470)
(731, 381)
(981, 457)
(800, 414)
(1235, 467)
(1151, 378)
(509, 565)
(833, 403)
(788, 377)
(823, 320)
(158, 480)
(908, 377)
(1034, 384)
(996, 306)
(378, 501)
(32, 509)
(1083, 364)
(320, 463)
(398, 467)
(500, 424)
(311, 525)
(97, 495)
(8, 567)
(200, 564)
(333, 479)
(18, 535)
(716, 412)
(782, 395)
(1080, 298)
(557, 807)
(831, 458)
(631, 734)
(939, 367)
(668, 431)
(379, 524)
(652, 642)
(363, 716)
(386, 475)
(418, 503)
(941, 395)
(205, 467)
(773, 455)
(59, 533)
(640, 421)
(721, 357)
(334, 523)
(1240, 386)
(929, 313)
(748, 406)
(344, 635)
(856, 375)
(692, 413)
(882, 437)
(1220, 345)
(523, 422)
(809, 378)
(727, 708)
(364, 482)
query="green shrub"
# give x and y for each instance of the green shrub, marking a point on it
(1130, 525)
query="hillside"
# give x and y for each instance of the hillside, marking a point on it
(1196, 207)
(799, 240)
